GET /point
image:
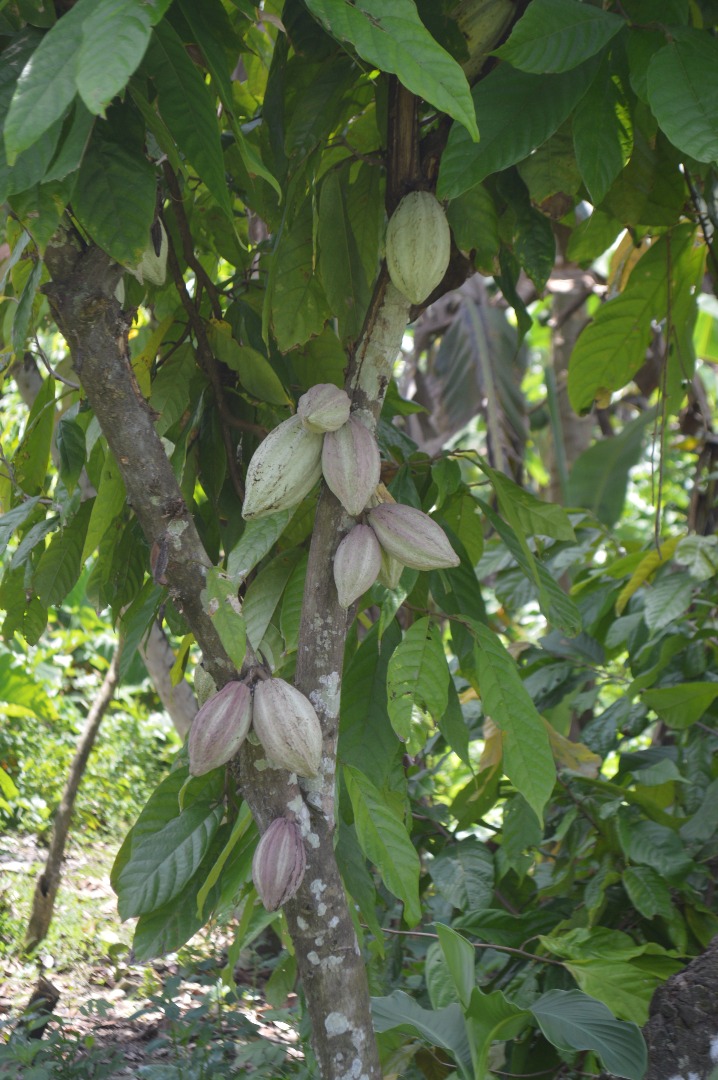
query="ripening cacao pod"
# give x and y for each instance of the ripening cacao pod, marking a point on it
(411, 536)
(357, 563)
(219, 728)
(351, 464)
(287, 727)
(284, 468)
(324, 407)
(279, 863)
(418, 244)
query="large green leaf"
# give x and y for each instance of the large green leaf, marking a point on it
(166, 845)
(464, 875)
(32, 456)
(366, 738)
(47, 83)
(557, 35)
(599, 476)
(60, 564)
(115, 197)
(680, 706)
(528, 761)
(460, 959)
(647, 891)
(265, 592)
(343, 277)
(187, 107)
(574, 1021)
(390, 35)
(295, 297)
(107, 505)
(23, 311)
(682, 89)
(535, 517)
(612, 348)
(115, 36)
(602, 132)
(517, 111)
(439, 1027)
(492, 1018)
(417, 675)
(220, 600)
(385, 841)
(257, 540)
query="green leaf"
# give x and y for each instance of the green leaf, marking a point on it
(453, 727)
(115, 36)
(366, 738)
(220, 601)
(492, 1018)
(165, 846)
(439, 1027)
(70, 440)
(599, 476)
(107, 505)
(257, 540)
(516, 112)
(345, 283)
(264, 594)
(668, 599)
(60, 564)
(256, 374)
(418, 675)
(649, 844)
(460, 960)
(557, 35)
(647, 891)
(682, 87)
(602, 132)
(528, 761)
(390, 35)
(114, 165)
(187, 107)
(574, 1021)
(297, 305)
(14, 519)
(474, 223)
(534, 516)
(612, 348)
(47, 83)
(33, 454)
(385, 842)
(464, 874)
(680, 706)
(23, 311)
(292, 600)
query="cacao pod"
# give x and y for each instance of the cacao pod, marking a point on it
(411, 536)
(351, 464)
(324, 407)
(284, 468)
(418, 245)
(279, 863)
(287, 727)
(219, 728)
(357, 563)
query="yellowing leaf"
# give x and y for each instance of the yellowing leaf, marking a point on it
(643, 571)
(572, 755)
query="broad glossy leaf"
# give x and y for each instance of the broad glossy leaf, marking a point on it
(115, 36)
(682, 89)
(602, 132)
(292, 601)
(439, 1027)
(460, 959)
(60, 564)
(47, 83)
(14, 519)
(187, 106)
(574, 1021)
(385, 841)
(343, 277)
(492, 1018)
(297, 304)
(23, 312)
(257, 540)
(464, 874)
(528, 761)
(680, 706)
(264, 594)
(649, 844)
(557, 35)
(417, 675)
(516, 112)
(115, 197)
(667, 599)
(32, 456)
(390, 35)
(535, 516)
(366, 738)
(256, 374)
(220, 600)
(599, 476)
(647, 891)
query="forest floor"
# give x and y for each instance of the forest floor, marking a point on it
(169, 1019)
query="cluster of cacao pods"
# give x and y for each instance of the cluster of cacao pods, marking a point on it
(284, 721)
(393, 537)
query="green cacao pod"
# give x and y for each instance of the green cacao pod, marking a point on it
(418, 244)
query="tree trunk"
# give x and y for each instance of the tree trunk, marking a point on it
(48, 882)
(178, 701)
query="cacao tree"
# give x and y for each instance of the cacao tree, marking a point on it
(195, 206)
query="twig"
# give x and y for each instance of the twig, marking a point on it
(46, 362)
(475, 945)
(187, 242)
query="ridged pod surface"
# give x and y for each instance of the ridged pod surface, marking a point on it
(418, 245)
(357, 563)
(219, 728)
(324, 407)
(351, 464)
(284, 468)
(411, 536)
(287, 727)
(279, 863)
